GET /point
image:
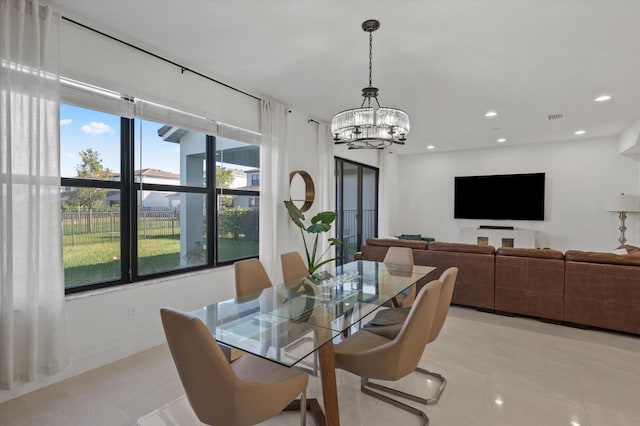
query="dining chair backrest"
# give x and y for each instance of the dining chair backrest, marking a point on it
(392, 359)
(251, 277)
(415, 332)
(399, 255)
(207, 377)
(402, 256)
(448, 279)
(293, 267)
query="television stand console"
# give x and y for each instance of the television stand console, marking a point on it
(499, 237)
(508, 228)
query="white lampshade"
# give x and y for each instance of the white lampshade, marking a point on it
(624, 203)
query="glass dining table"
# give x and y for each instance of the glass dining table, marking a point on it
(289, 322)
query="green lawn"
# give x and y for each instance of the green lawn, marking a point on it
(99, 262)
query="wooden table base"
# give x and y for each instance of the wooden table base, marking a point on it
(329, 386)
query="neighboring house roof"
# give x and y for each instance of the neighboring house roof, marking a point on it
(249, 188)
(151, 173)
(238, 173)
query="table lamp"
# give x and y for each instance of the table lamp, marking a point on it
(623, 204)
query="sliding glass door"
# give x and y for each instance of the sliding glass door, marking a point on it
(356, 206)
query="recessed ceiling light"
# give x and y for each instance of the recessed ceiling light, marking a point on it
(430, 147)
(602, 98)
(491, 114)
(501, 140)
(579, 132)
(498, 401)
(575, 423)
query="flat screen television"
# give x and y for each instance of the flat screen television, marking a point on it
(514, 197)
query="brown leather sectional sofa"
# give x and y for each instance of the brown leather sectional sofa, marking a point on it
(578, 288)
(530, 282)
(475, 264)
(603, 290)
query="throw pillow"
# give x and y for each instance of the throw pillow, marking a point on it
(629, 248)
(410, 236)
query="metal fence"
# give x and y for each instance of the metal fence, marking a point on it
(368, 222)
(350, 229)
(91, 227)
(85, 227)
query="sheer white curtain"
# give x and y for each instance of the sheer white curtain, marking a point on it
(274, 186)
(326, 182)
(383, 193)
(32, 322)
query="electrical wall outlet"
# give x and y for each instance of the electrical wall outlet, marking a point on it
(131, 313)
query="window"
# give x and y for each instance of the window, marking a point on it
(140, 197)
(90, 196)
(356, 206)
(171, 197)
(254, 178)
(237, 190)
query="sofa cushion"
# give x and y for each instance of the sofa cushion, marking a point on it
(390, 242)
(460, 247)
(528, 252)
(604, 258)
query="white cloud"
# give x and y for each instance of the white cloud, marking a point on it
(71, 155)
(95, 128)
(65, 121)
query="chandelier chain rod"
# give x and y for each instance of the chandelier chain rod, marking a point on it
(370, 56)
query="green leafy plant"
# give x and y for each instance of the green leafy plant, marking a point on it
(319, 223)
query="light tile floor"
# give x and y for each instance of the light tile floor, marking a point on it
(501, 371)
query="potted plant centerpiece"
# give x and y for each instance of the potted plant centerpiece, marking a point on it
(320, 223)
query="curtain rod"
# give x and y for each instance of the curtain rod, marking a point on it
(182, 67)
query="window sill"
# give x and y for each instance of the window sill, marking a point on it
(122, 287)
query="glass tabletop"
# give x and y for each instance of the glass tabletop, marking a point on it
(289, 321)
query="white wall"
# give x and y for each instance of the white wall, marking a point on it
(580, 175)
(91, 58)
(369, 157)
(106, 326)
(109, 325)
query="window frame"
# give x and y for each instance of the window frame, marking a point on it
(129, 188)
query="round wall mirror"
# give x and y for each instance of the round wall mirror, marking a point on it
(301, 190)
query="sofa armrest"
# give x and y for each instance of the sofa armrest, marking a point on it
(604, 258)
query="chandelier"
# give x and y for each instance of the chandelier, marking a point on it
(370, 127)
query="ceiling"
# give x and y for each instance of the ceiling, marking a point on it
(445, 62)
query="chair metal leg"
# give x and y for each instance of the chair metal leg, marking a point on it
(438, 394)
(303, 408)
(426, 401)
(365, 388)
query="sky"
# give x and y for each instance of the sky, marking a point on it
(82, 128)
